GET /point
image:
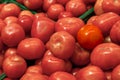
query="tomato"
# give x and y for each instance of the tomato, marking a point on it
(29, 76)
(114, 33)
(12, 34)
(80, 56)
(63, 2)
(33, 4)
(26, 12)
(34, 69)
(65, 14)
(43, 28)
(106, 56)
(90, 73)
(26, 22)
(54, 10)
(61, 44)
(47, 4)
(10, 52)
(10, 19)
(76, 7)
(14, 66)
(70, 25)
(60, 75)
(51, 64)
(31, 48)
(115, 75)
(10, 9)
(89, 36)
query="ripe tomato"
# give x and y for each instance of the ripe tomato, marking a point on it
(31, 48)
(89, 36)
(14, 66)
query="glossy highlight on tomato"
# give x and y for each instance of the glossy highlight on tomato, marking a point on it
(89, 36)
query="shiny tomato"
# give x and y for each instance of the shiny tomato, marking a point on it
(89, 36)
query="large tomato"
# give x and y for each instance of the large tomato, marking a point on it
(89, 36)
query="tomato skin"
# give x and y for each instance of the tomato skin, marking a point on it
(80, 56)
(106, 56)
(47, 4)
(14, 66)
(10, 19)
(26, 22)
(65, 14)
(10, 52)
(43, 28)
(90, 73)
(31, 48)
(76, 7)
(54, 10)
(89, 36)
(29, 76)
(63, 2)
(9, 10)
(61, 44)
(51, 64)
(26, 12)
(12, 34)
(70, 25)
(33, 4)
(34, 69)
(60, 75)
(115, 75)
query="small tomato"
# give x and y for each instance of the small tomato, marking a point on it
(89, 36)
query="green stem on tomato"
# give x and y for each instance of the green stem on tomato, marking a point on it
(87, 13)
(2, 76)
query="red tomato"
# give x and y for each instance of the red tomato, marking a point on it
(10, 52)
(60, 75)
(61, 44)
(115, 75)
(106, 56)
(34, 69)
(26, 12)
(1, 6)
(31, 48)
(89, 36)
(80, 56)
(106, 21)
(70, 25)
(10, 19)
(90, 73)
(65, 14)
(10, 9)
(114, 33)
(63, 2)
(14, 66)
(39, 15)
(33, 4)
(43, 28)
(26, 22)
(54, 10)
(47, 4)
(29, 76)
(12, 34)
(76, 7)
(51, 64)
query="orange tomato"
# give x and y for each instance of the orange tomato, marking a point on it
(89, 36)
